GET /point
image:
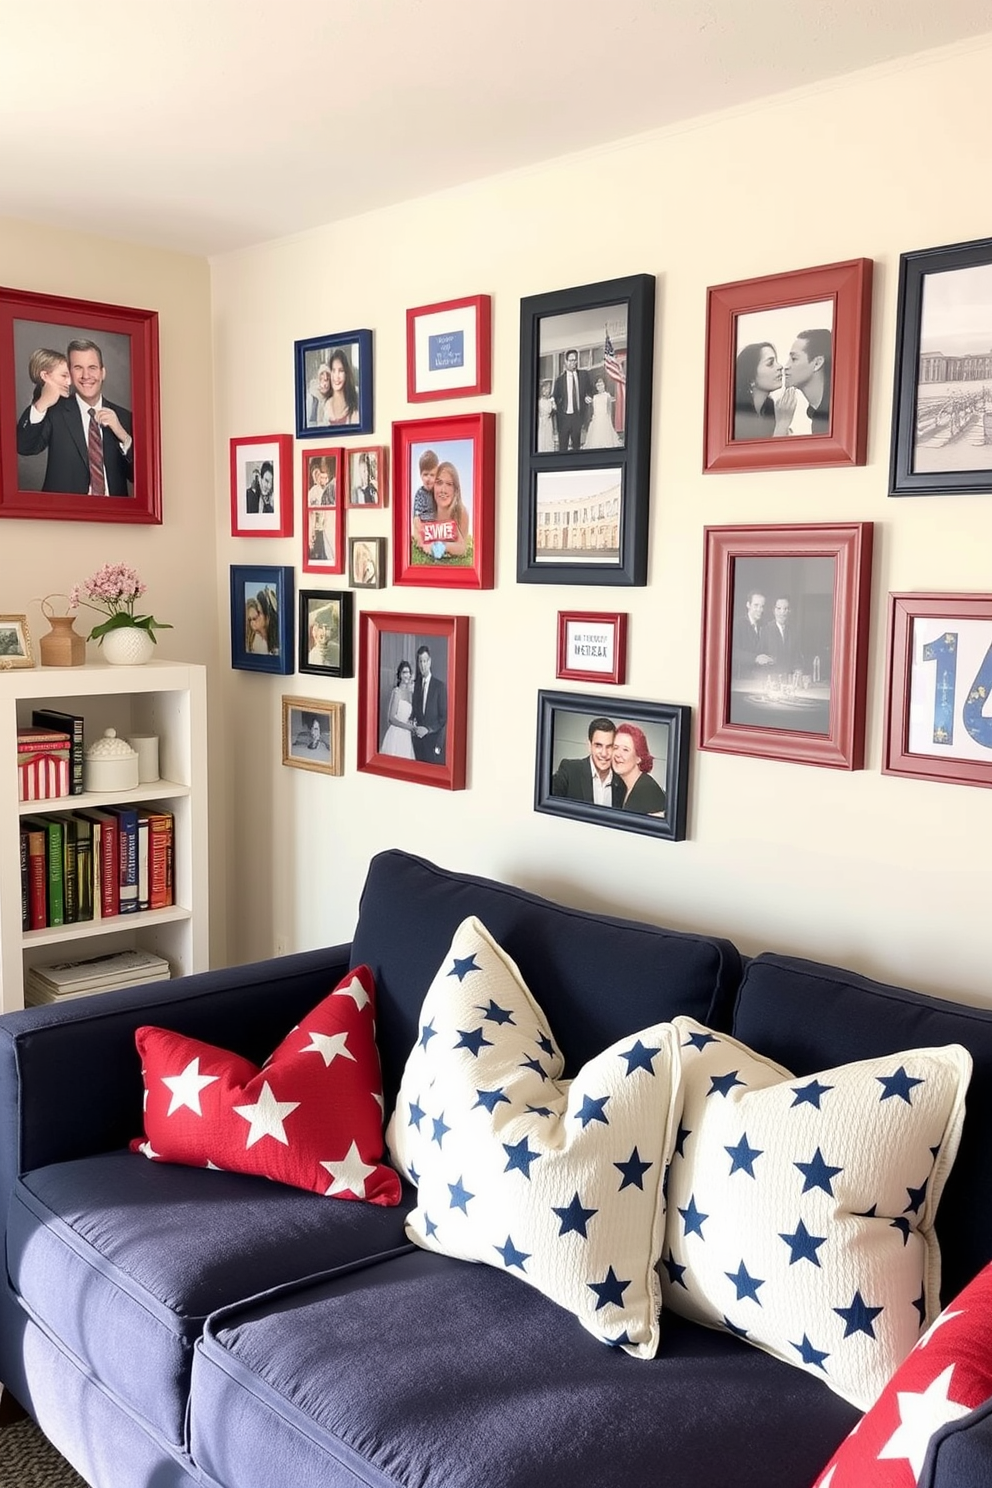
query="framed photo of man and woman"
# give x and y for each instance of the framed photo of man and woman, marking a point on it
(413, 697)
(334, 385)
(262, 486)
(586, 364)
(322, 498)
(787, 369)
(262, 614)
(443, 507)
(79, 410)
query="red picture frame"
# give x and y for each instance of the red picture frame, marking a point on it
(938, 681)
(261, 474)
(799, 696)
(449, 349)
(386, 642)
(600, 636)
(126, 341)
(774, 307)
(464, 450)
(374, 494)
(322, 487)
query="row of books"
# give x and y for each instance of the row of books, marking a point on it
(64, 979)
(91, 865)
(50, 755)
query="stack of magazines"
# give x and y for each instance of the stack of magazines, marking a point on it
(97, 974)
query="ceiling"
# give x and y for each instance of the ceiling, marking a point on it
(211, 125)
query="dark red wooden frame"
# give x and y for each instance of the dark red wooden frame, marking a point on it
(849, 286)
(597, 617)
(481, 305)
(335, 452)
(481, 429)
(454, 628)
(850, 545)
(283, 487)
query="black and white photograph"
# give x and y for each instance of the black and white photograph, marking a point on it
(334, 384)
(312, 735)
(325, 632)
(582, 380)
(15, 642)
(782, 371)
(782, 636)
(954, 384)
(578, 516)
(262, 486)
(413, 697)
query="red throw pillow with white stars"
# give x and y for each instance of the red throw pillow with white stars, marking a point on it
(310, 1117)
(946, 1376)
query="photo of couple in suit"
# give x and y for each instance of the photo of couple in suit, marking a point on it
(582, 380)
(783, 371)
(782, 642)
(605, 762)
(413, 697)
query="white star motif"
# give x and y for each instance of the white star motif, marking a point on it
(329, 1046)
(349, 1173)
(148, 1149)
(380, 1102)
(938, 1322)
(829, 1478)
(920, 1416)
(186, 1088)
(266, 1116)
(356, 990)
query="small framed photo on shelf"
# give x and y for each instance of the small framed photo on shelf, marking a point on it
(262, 612)
(323, 510)
(785, 642)
(444, 502)
(942, 405)
(586, 363)
(262, 486)
(326, 642)
(625, 766)
(368, 476)
(449, 349)
(367, 562)
(592, 646)
(334, 385)
(787, 369)
(938, 684)
(15, 642)
(413, 697)
(313, 735)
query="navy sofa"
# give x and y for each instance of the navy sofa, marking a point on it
(168, 1326)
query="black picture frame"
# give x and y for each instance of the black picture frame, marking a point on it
(248, 581)
(312, 353)
(939, 394)
(340, 603)
(580, 709)
(601, 488)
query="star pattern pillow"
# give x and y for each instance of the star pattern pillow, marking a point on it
(946, 1376)
(800, 1210)
(558, 1182)
(311, 1117)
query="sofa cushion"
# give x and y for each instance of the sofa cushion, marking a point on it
(801, 1210)
(310, 1117)
(559, 1182)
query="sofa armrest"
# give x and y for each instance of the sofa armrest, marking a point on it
(960, 1455)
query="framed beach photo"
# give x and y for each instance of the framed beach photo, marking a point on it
(592, 646)
(262, 486)
(334, 385)
(413, 697)
(449, 349)
(625, 765)
(326, 645)
(444, 502)
(15, 642)
(262, 616)
(787, 369)
(586, 366)
(79, 410)
(367, 562)
(368, 476)
(942, 404)
(313, 735)
(785, 642)
(322, 503)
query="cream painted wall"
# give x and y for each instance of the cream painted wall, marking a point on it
(886, 875)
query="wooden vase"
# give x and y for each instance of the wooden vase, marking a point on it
(62, 646)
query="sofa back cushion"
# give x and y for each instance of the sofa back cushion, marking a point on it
(596, 978)
(808, 1016)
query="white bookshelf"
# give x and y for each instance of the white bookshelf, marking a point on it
(163, 698)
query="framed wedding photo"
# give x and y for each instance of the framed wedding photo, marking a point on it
(449, 349)
(367, 471)
(942, 404)
(785, 642)
(79, 410)
(15, 642)
(334, 385)
(322, 501)
(615, 763)
(592, 647)
(938, 683)
(262, 486)
(444, 474)
(586, 366)
(787, 369)
(262, 615)
(326, 645)
(313, 735)
(413, 697)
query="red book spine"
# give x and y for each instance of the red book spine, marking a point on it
(37, 881)
(110, 889)
(159, 876)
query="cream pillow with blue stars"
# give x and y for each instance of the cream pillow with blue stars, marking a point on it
(557, 1182)
(801, 1209)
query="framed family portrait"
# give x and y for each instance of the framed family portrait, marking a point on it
(592, 647)
(326, 643)
(787, 369)
(313, 735)
(368, 476)
(942, 405)
(939, 688)
(323, 510)
(262, 486)
(15, 642)
(367, 562)
(262, 613)
(625, 765)
(449, 349)
(444, 471)
(785, 642)
(334, 385)
(586, 365)
(79, 410)
(413, 697)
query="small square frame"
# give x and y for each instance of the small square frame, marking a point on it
(386, 640)
(248, 460)
(340, 604)
(276, 612)
(375, 494)
(367, 562)
(449, 349)
(465, 443)
(322, 482)
(592, 646)
(302, 749)
(354, 350)
(15, 643)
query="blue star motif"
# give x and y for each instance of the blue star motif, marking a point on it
(734, 1327)
(904, 1227)
(574, 1217)
(462, 965)
(494, 1013)
(675, 1271)
(803, 1245)
(417, 1114)
(858, 1318)
(818, 1174)
(546, 1045)
(680, 1139)
(536, 1066)
(916, 1197)
(746, 1284)
(472, 1039)
(520, 1157)
(414, 1175)
(810, 1355)
(430, 1228)
(693, 1219)
(540, 1110)
(742, 1157)
(426, 1034)
(491, 1099)
(592, 1110)
(619, 1341)
(723, 1084)
(921, 1306)
(633, 1171)
(511, 1255)
(639, 1056)
(609, 1290)
(460, 1196)
(440, 1130)
(700, 1040)
(898, 1085)
(809, 1095)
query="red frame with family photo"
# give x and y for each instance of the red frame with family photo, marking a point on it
(313, 563)
(373, 626)
(447, 437)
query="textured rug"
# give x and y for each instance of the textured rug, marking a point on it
(28, 1460)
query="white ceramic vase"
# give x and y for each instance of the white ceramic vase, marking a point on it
(129, 645)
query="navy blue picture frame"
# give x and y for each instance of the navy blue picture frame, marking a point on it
(263, 603)
(310, 356)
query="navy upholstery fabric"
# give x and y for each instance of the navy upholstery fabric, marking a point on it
(960, 1453)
